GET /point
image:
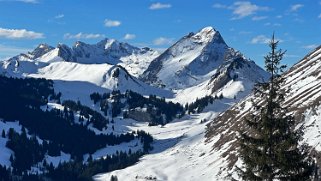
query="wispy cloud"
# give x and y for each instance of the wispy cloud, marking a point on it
(19, 34)
(158, 5)
(218, 5)
(9, 51)
(58, 19)
(29, 1)
(272, 24)
(262, 39)
(296, 7)
(111, 23)
(163, 41)
(319, 15)
(59, 16)
(245, 32)
(129, 36)
(241, 9)
(83, 36)
(258, 18)
(310, 47)
(291, 55)
(23, 1)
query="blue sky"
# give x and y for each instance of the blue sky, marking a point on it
(245, 25)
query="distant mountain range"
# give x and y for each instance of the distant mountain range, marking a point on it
(200, 61)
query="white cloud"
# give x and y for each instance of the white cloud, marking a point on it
(158, 5)
(311, 46)
(319, 15)
(83, 36)
(59, 16)
(296, 7)
(163, 41)
(279, 16)
(218, 5)
(242, 9)
(24, 1)
(19, 34)
(258, 18)
(291, 56)
(111, 23)
(262, 39)
(272, 24)
(129, 36)
(29, 1)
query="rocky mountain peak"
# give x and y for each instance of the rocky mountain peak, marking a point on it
(40, 50)
(190, 60)
(205, 34)
(65, 52)
(79, 44)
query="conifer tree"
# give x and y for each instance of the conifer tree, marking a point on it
(3, 135)
(113, 178)
(269, 146)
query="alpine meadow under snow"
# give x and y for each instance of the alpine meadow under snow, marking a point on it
(162, 116)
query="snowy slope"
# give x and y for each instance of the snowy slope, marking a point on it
(192, 60)
(77, 81)
(180, 153)
(303, 96)
(233, 79)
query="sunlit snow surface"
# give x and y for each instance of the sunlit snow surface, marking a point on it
(180, 153)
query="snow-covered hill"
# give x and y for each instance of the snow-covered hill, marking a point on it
(303, 95)
(77, 81)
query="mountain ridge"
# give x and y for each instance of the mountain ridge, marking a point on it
(107, 50)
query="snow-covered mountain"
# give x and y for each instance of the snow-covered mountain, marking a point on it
(136, 60)
(199, 57)
(303, 95)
